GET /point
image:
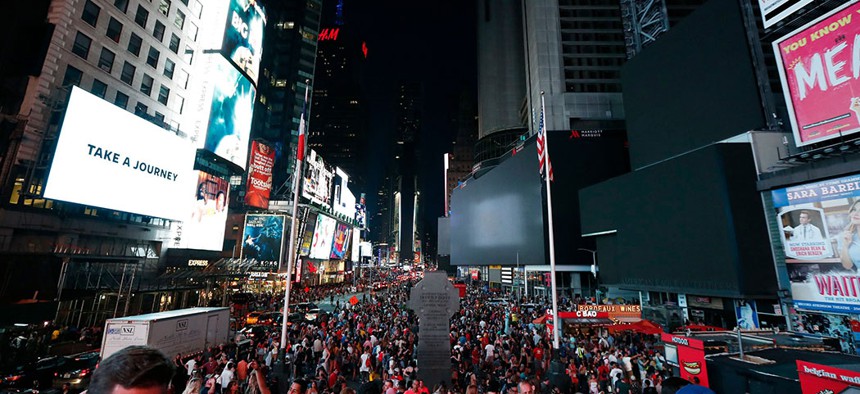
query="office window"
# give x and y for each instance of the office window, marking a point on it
(174, 43)
(128, 71)
(158, 31)
(146, 84)
(140, 109)
(169, 67)
(192, 31)
(91, 13)
(178, 103)
(122, 5)
(106, 60)
(141, 17)
(189, 54)
(152, 58)
(163, 94)
(179, 20)
(114, 30)
(121, 100)
(81, 46)
(73, 76)
(99, 88)
(184, 2)
(134, 44)
(182, 79)
(164, 7)
(159, 117)
(196, 8)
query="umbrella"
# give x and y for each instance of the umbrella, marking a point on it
(353, 300)
(540, 320)
(642, 326)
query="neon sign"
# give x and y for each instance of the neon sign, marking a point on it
(329, 34)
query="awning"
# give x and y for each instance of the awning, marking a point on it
(643, 326)
(588, 320)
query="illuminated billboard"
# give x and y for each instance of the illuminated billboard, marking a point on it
(243, 36)
(773, 11)
(820, 225)
(262, 239)
(323, 236)
(308, 235)
(223, 103)
(341, 242)
(259, 185)
(344, 200)
(204, 222)
(318, 180)
(815, 68)
(107, 157)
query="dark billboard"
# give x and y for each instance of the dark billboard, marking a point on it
(694, 86)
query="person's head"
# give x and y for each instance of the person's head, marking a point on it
(135, 369)
(298, 386)
(67, 387)
(804, 217)
(220, 200)
(233, 387)
(524, 387)
(854, 212)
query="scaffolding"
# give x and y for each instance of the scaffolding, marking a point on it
(644, 21)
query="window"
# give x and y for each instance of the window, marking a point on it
(184, 2)
(174, 43)
(134, 44)
(114, 30)
(169, 66)
(189, 54)
(179, 21)
(73, 76)
(182, 79)
(159, 117)
(99, 88)
(122, 5)
(146, 84)
(178, 103)
(141, 17)
(192, 31)
(82, 45)
(152, 58)
(164, 7)
(140, 109)
(196, 8)
(121, 100)
(158, 31)
(106, 60)
(91, 13)
(163, 94)
(128, 71)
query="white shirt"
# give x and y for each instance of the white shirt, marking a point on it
(806, 232)
(226, 377)
(190, 365)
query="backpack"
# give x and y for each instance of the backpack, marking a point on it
(367, 363)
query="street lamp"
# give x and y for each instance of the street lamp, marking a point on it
(593, 270)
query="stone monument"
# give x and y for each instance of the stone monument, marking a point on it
(434, 299)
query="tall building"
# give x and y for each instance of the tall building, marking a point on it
(407, 206)
(146, 58)
(338, 127)
(461, 158)
(288, 63)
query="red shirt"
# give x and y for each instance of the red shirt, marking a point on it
(538, 353)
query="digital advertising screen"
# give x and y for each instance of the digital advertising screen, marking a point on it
(820, 225)
(340, 243)
(773, 11)
(344, 200)
(243, 36)
(318, 180)
(205, 221)
(361, 212)
(119, 162)
(323, 236)
(815, 66)
(308, 235)
(262, 239)
(259, 186)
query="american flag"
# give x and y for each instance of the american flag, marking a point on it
(541, 144)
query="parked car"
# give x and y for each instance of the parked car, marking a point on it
(23, 376)
(77, 370)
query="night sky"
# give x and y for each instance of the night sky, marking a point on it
(432, 42)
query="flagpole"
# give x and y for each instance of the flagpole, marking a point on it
(555, 320)
(291, 256)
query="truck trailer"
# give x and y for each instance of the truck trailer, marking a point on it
(183, 331)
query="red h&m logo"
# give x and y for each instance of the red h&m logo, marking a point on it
(329, 34)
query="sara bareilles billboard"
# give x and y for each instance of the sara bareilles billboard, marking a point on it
(259, 175)
(819, 66)
(107, 157)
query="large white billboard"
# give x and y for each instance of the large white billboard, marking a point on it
(206, 217)
(318, 180)
(107, 157)
(323, 236)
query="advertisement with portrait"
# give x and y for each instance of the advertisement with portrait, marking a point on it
(691, 357)
(317, 184)
(361, 212)
(205, 221)
(747, 315)
(119, 162)
(820, 223)
(259, 185)
(262, 239)
(817, 378)
(243, 36)
(815, 65)
(341, 242)
(323, 236)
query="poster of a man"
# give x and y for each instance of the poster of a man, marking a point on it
(243, 37)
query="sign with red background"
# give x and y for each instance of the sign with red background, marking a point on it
(259, 175)
(817, 378)
(691, 357)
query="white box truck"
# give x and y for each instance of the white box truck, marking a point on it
(183, 331)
